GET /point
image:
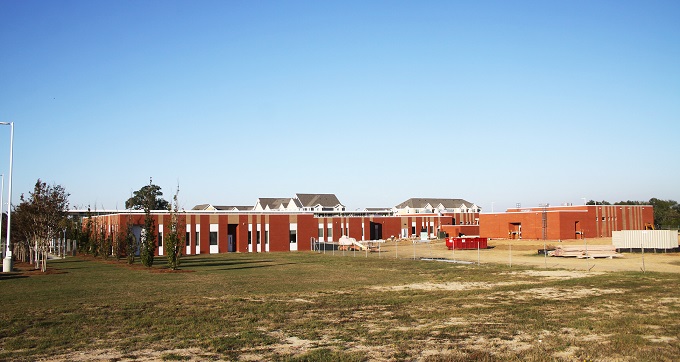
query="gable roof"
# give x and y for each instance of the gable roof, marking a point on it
(274, 202)
(325, 200)
(202, 207)
(381, 209)
(229, 208)
(419, 203)
(234, 208)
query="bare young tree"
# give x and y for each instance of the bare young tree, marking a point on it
(174, 241)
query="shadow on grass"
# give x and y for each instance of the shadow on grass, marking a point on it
(12, 276)
(256, 266)
(74, 268)
(213, 263)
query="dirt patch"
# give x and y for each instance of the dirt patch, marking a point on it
(28, 269)
(556, 274)
(669, 301)
(552, 293)
(449, 286)
(660, 339)
(568, 354)
(290, 344)
(517, 344)
(186, 354)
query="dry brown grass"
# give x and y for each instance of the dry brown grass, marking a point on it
(306, 306)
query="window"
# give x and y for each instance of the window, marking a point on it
(186, 239)
(330, 232)
(213, 238)
(320, 232)
(266, 237)
(198, 239)
(293, 236)
(258, 238)
(160, 239)
(250, 237)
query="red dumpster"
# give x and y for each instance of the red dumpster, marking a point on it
(463, 243)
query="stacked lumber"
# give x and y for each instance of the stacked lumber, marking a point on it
(586, 251)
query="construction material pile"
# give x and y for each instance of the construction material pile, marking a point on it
(586, 251)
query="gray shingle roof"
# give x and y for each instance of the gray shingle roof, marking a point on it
(274, 202)
(419, 203)
(377, 209)
(238, 208)
(325, 200)
(207, 206)
(200, 207)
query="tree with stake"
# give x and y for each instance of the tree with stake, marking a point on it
(105, 243)
(174, 241)
(85, 240)
(148, 247)
(130, 242)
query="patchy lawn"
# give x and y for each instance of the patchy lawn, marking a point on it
(305, 306)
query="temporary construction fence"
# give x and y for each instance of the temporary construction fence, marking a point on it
(412, 248)
(590, 256)
(645, 239)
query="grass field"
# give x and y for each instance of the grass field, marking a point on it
(310, 307)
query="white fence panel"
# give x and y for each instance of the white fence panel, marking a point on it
(648, 239)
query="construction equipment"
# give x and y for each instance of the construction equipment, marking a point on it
(347, 243)
(351, 244)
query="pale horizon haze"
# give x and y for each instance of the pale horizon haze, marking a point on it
(499, 102)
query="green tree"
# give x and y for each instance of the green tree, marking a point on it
(41, 215)
(118, 244)
(174, 240)
(130, 242)
(140, 199)
(148, 247)
(22, 232)
(630, 202)
(95, 243)
(593, 202)
(85, 237)
(106, 242)
(666, 213)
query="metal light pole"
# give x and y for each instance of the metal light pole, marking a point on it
(7, 261)
(2, 190)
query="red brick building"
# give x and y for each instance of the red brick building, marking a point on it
(565, 222)
(219, 231)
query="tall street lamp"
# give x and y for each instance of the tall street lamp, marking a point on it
(2, 191)
(7, 261)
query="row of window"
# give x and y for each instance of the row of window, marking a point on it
(329, 231)
(213, 238)
(257, 237)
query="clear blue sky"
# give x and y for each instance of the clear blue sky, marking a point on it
(376, 101)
